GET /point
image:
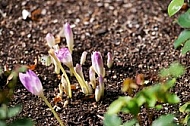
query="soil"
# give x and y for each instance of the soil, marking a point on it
(140, 34)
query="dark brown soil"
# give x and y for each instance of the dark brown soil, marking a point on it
(140, 34)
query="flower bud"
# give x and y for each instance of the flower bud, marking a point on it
(97, 93)
(92, 77)
(31, 82)
(109, 60)
(69, 36)
(64, 56)
(50, 40)
(78, 70)
(97, 63)
(83, 58)
(64, 84)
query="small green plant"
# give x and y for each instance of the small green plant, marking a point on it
(184, 21)
(151, 97)
(186, 109)
(10, 112)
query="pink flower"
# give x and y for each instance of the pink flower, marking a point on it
(31, 82)
(64, 56)
(97, 63)
(69, 36)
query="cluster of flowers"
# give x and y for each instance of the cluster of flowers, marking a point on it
(63, 55)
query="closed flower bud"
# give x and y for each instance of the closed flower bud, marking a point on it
(78, 70)
(69, 36)
(50, 40)
(83, 58)
(92, 77)
(109, 60)
(97, 94)
(31, 82)
(97, 63)
(64, 56)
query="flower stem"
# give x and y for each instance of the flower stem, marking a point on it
(81, 81)
(53, 111)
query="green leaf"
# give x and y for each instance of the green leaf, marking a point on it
(170, 83)
(186, 47)
(164, 73)
(112, 120)
(185, 107)
(3, 111)
(172, 98)
(164, 120)
(13, 111)
(175, 6)
(22, 122)
(116, 105)
(2, 123)
(133, 107)
(184, 20)
(158, 107)
(130, 123)
(187, 120)
(176, 69)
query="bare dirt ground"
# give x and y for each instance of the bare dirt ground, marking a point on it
(140, 34)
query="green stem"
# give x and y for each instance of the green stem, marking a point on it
(67, 79)
(53, 111)
(81, 81)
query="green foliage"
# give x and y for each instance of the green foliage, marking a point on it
(6, 112)
(186, 109)
(151, 97)
(165, 120)
(186, 47)
(112, 120)
(182, 38)
(184, 22)
(175, 70)
(175, 6)
(22, 122)
(9, 112)
(184, 19)
(116, 106)
(132, 122)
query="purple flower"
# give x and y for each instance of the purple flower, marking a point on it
(31, 82)
(97, 63)
(50, 40)
(69, 36)
(64, 56)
